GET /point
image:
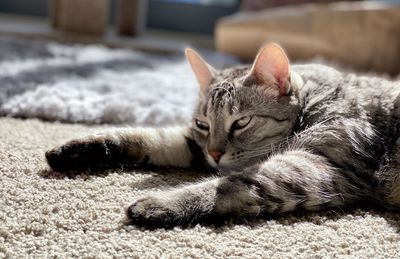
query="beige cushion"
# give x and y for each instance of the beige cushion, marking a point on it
(363, 35)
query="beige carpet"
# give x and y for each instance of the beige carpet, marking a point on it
(43, 214)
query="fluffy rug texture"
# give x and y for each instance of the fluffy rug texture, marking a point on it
(45, 214)
(95, 84)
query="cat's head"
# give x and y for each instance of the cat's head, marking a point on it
(243, 111)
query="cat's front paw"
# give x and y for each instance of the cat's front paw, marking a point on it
(153, 212)
(65, 157)
(78, 155)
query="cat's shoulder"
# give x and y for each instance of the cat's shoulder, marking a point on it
(316, 71)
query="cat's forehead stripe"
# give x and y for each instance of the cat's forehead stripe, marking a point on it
(223, 91)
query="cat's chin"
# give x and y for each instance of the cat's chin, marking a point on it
(222, 165)
(225, 168)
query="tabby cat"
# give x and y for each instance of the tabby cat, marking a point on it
(283, 138)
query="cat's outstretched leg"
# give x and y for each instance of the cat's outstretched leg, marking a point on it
(286, 182)
(159, 147)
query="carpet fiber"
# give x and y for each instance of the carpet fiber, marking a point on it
(44, 214)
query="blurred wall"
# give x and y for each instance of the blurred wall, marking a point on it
(38, 8)
(161, 14)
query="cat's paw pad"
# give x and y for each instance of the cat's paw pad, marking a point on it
(152, 212)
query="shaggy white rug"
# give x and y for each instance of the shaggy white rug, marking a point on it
(48, 215)
(95, 84)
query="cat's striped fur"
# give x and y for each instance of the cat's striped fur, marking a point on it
(313, 138)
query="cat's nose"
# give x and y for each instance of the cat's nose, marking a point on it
(216, 155)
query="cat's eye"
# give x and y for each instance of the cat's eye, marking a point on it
(202, 125)
(240, 124)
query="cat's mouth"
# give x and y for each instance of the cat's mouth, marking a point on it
(224, 163)
(212, 162)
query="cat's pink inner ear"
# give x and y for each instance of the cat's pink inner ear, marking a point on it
(202, 70)
(272, 66)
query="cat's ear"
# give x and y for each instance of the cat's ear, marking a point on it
(203, 71)
(271, 66)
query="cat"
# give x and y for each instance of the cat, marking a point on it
(283, 138)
